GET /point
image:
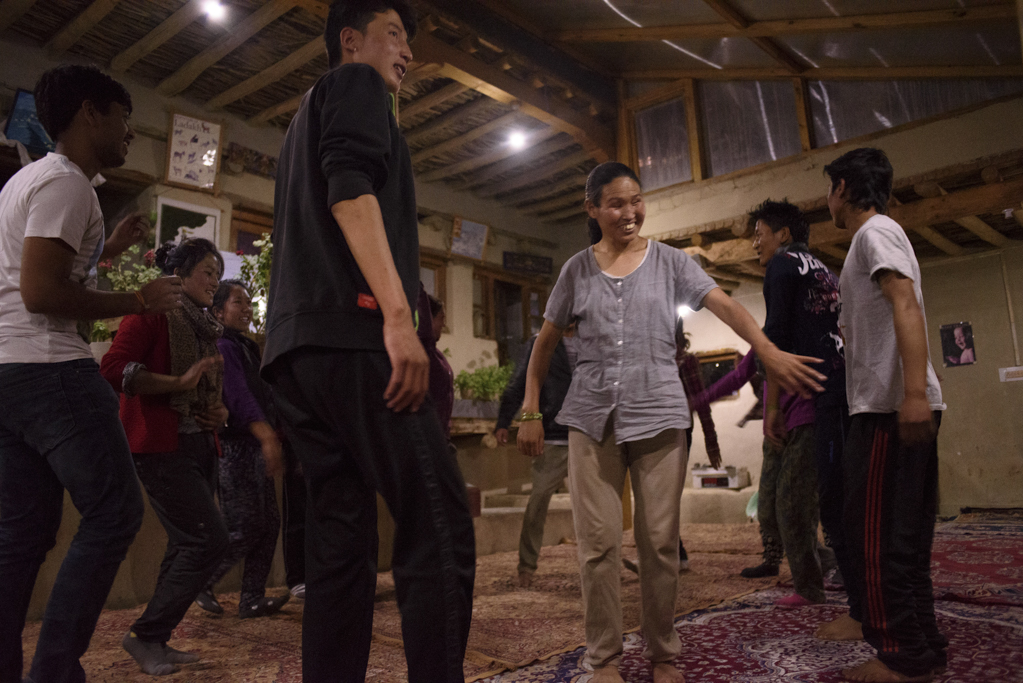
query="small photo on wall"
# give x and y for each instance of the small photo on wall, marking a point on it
(957, 344)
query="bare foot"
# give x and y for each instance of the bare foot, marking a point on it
(525, 579)
(665, 672)
(843, 628)
(875, 671)
(607, 674)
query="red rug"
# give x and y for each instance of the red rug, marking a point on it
(978, 558)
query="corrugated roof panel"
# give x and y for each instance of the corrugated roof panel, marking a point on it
(704, 53)
(586, 14)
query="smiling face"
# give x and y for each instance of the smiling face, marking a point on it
(237, 311)
(201, 284)
(113, 134)
(960, 338)
(767, 241)
(621, 211)
(384, 46)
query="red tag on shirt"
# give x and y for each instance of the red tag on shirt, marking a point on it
(366, 301)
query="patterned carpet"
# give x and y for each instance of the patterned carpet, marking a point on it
(512, 627)
(729, 628)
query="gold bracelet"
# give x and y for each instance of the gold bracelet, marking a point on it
(530, 417)
(142, 300)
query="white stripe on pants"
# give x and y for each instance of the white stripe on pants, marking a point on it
(596, 476)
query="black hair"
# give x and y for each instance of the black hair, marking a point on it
(358, 14)
(783, 214)
(60, 92)
(224, 292)
(186, 256)
(681, 337)
(600, 176)
(436, 305)
(868, 177)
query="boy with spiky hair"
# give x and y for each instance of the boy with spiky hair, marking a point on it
(350, 375)
(891, 453)
(59, 423)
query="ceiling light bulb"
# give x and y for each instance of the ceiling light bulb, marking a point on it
(517, 140)
(214, 10)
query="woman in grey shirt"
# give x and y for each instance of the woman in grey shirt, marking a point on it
(626, 409)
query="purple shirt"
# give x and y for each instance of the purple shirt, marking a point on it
(240, 402)
(798, 411)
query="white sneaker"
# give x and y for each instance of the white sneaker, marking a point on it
(298, 591)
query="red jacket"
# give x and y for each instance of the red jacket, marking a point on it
(149, 421)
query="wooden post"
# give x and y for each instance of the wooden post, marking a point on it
(693, 127)
(803, 114)
(626, 131)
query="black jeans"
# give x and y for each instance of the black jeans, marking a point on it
(293, 500)
(59, 429)
(180, 487)
(890, 512)
(831, 427)
(352, 446)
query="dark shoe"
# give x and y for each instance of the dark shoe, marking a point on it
(298, 591)
(683, 558)
(760, 571)
(264, 608)
(630, 565)
(208, 602)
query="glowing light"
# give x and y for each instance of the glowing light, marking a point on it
(517, 140)
(214, 10)
(683, 311)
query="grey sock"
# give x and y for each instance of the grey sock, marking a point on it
(178, 657)
(149, 656)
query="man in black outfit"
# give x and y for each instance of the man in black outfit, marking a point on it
(348, 371)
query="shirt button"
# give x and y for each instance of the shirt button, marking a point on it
(619, 342)
(616, 383)
(619, 362)
(619, 301)
(619, 320)
(619, 283)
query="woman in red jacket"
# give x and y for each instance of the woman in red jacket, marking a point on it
(169, 374)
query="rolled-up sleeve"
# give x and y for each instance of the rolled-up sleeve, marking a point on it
(355, 138)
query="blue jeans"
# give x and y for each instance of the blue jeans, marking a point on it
(60, 430)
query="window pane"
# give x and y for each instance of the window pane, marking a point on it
(848, 109)
(662, 142)
(746, 123)
(428, 276)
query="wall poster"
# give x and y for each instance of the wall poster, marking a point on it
(193, 153)
(957, 344)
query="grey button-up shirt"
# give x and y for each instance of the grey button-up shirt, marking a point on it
(626, 333)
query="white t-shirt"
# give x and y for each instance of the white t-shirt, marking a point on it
(48, 198)
(873, 374)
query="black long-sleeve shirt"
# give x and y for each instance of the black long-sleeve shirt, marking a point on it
(802, 301)
(552, 393)
(342, 144)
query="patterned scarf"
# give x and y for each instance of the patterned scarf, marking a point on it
(193, 336)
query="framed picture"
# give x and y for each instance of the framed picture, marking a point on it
(193, 153)
(957, 345)
(469, 239)
(23, 125)
(716, 364)
(176, 220)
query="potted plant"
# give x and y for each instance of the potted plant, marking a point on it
(481, 390)
(100, 336)
(255, 273)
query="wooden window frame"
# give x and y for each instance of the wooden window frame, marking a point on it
(487, 276)
(249, 222)
(439, 266)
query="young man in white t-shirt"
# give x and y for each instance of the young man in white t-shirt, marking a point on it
(891, 455)
(59, 424)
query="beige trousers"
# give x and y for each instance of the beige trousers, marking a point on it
(596, 472)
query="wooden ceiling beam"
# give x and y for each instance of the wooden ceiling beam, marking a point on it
(783, 27)
(557, 203)
(577, 210)
(975, 225)
(538, 193)
(452, 116)
(536, 174)
(271, 74)
(500, 86)
(166, 30)
(854, 73)
(940, 209)
(833, 251)
(239, 33)
(420, 74)
(464, 139)
(73, 31)
(431, 100)
(495, 155)
(12, 10)
(555, 142)
(772, 48)
(276, 110)
(938, 240)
